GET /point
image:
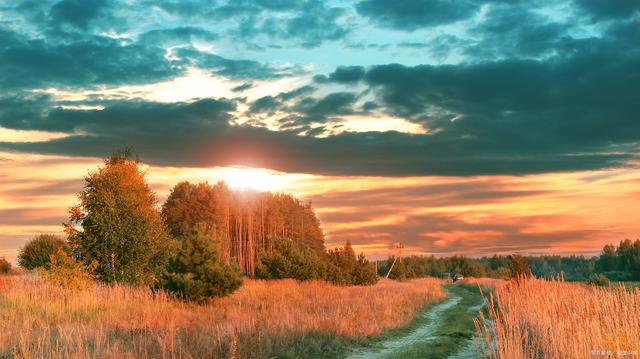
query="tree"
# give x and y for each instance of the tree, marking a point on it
(245, 220)
(519, 267)
(608, 260)
(37, 253)
(289, 259)
(5, 266)
(120, 228)
(197, 273)
(347, 269)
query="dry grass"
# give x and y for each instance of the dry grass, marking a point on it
(554, 319)
(39, 320)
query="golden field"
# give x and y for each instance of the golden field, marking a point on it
(260, 319)
(554, 319)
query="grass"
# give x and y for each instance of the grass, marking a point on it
(456, 327)
(283, 319)
(453, 328)
(554, 319)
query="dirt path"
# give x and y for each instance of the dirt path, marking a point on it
(421, 333)
(443, 331)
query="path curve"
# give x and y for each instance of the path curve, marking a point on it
(419, 334)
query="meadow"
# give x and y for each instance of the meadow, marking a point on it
(283, 318)
(536, 318)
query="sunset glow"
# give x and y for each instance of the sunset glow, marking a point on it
(455, 128)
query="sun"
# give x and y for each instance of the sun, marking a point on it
(258, 179)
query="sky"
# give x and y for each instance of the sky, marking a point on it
(454, 127)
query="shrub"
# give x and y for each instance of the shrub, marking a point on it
(618, 276)
(599, 280)
(37, 253)
(68, 273)
(288, 259)
(197, 273)
(5, 266)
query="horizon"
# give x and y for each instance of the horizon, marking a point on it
(467, 128)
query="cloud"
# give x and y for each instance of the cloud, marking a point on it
(177, 36)
(77, 12)
(235, 69)
(34, 63)
(342, 75)
(600, 10)
(414, 14)
(516, 31)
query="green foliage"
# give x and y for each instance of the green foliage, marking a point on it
(37, 253)
(618, 276)
(5, 266)
(347, 269)
(121, 229)
(289, 259)
(66, 272)
(625, 258)
(519, 267)
(197, 272)
(599, 280)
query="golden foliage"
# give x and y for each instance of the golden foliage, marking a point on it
(43, 320)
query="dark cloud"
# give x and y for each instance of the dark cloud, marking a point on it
(34, 63)
(77, 12)
(198, 134)
(177, 36)
(516, 31)
(414, 14)
(245, 86)
(268, 24)
(609, 9)
(269, 104)
(235, 69)
(343, 75)
(309, 27)
(338, 103)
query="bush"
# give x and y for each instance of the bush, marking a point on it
(599, 280)
(288, 259)
(37, 253)
(66, 272)
(618, 276)
(197, 273)
(5, 266)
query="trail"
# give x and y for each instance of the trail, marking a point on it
(420, 334)
(435, 325)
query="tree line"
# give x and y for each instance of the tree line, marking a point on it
(616, 263)
(200, 244)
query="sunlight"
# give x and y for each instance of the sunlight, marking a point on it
(258, 179)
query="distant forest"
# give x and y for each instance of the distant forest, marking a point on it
(617, 263)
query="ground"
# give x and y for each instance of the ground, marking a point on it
(443, 330)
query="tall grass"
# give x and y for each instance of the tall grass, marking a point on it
(262, 319)
(554, 319)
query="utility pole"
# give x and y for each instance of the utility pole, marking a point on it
(399, 246)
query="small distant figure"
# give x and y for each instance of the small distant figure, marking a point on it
(457, 277)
